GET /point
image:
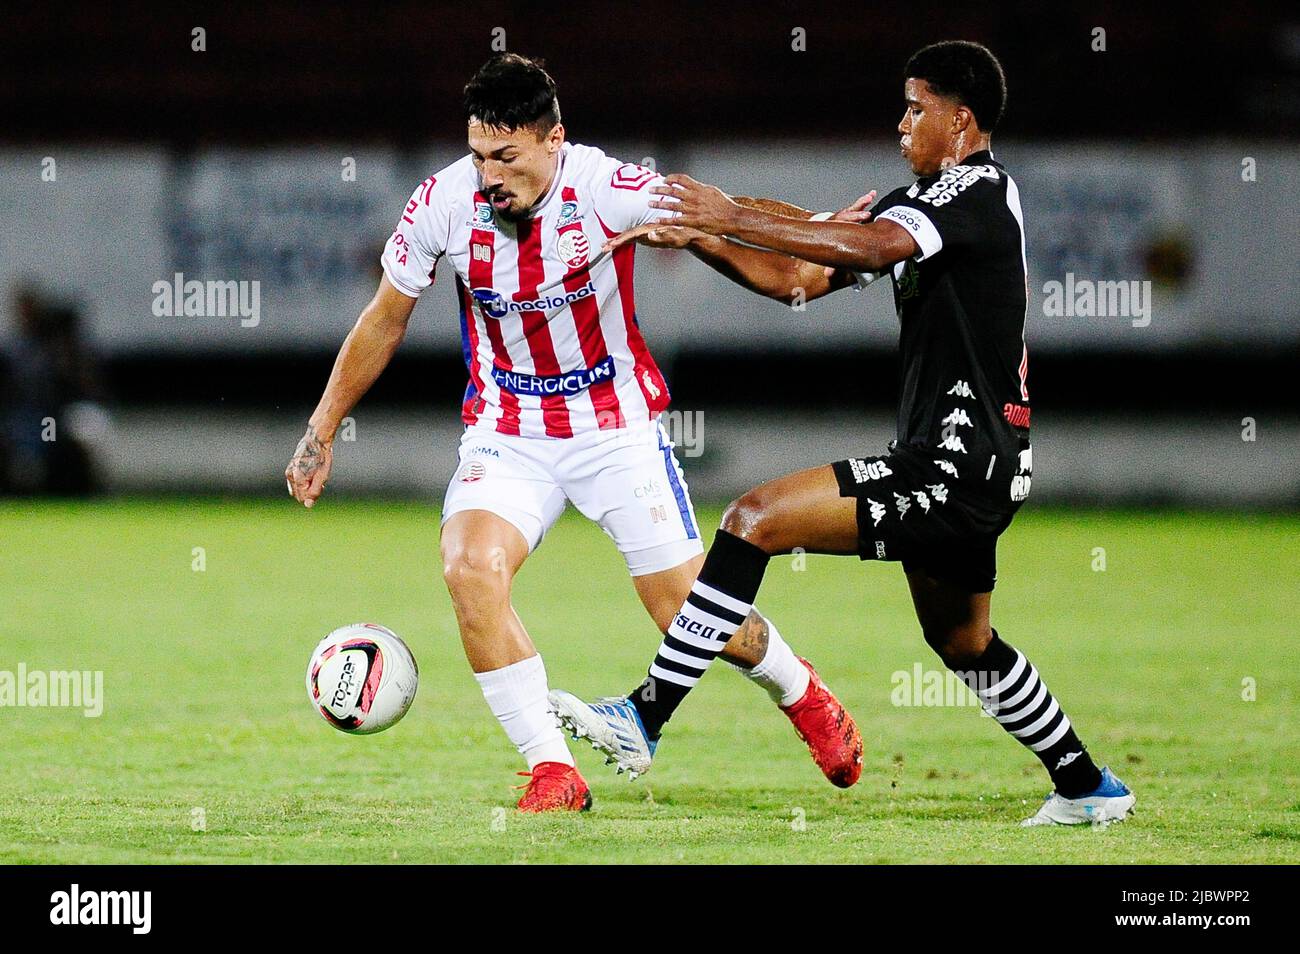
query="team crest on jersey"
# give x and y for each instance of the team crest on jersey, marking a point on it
(568, 214)
(573, 247)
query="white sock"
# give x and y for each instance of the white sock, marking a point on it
(516, 694)
(780, 673)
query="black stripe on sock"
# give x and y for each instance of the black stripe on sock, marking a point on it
(672, 642)
(680, 668)
(708, 606)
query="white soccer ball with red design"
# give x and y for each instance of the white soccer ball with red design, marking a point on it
(362, 678)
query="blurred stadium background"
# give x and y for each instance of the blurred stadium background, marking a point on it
(128, 156)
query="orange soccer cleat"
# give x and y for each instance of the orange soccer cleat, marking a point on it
(831, 734)
(554, 787)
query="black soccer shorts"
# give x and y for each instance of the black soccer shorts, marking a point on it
(908, 511)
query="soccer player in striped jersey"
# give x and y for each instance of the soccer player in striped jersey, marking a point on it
(953, 245)
(562, 405)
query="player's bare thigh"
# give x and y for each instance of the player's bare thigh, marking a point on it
(802, 509)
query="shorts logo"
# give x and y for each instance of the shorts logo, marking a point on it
(568, 383)
(473, 471)
(877, 512)
(958, 416)
(961, 389)
(904, 505)
(880, 549)
(1017, 415)
(953, 443)
(573, 247)
(650, 387)
(947, 466)
(483, 452)
(938, 491)
(868, 470)
(922, 499)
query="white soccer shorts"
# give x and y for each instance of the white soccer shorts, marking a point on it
(627, 480)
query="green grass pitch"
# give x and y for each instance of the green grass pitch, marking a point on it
(207, 750)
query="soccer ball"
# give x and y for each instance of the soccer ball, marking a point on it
(362, 678)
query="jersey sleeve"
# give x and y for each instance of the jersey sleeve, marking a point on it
(624, 194)
(950, 214)
(411, 253)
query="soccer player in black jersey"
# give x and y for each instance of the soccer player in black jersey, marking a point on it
(952, 243)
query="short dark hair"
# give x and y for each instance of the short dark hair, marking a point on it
(967, 72)
(511, 92)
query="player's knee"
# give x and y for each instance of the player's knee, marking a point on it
(960, 647)
(751, 518)
(475, 573)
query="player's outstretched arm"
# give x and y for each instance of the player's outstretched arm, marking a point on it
(869, 247)
(770, 274)
(366, 351)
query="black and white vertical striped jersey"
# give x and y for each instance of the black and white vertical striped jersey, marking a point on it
(961, 304)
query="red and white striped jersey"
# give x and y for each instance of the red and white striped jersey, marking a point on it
(548, 321)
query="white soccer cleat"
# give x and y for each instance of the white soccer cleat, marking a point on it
(1111, 801)
(611, 724)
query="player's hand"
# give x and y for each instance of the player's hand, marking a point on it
(697, 205)
(857, 212)
(655, 235)
(309, 468)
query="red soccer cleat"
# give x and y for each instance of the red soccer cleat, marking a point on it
(831, 734)
(554, 787)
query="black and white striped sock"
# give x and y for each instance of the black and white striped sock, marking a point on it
(1013, 693)
(718, 604)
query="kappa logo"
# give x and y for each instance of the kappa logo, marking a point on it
(938, 491)
(958, 416)
(961, 389)
(878, 511)
(953, 443)
(947, 466)
(650, 386)
(1066, 759)
(903, 504)
(864, 471)
(922, 499)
